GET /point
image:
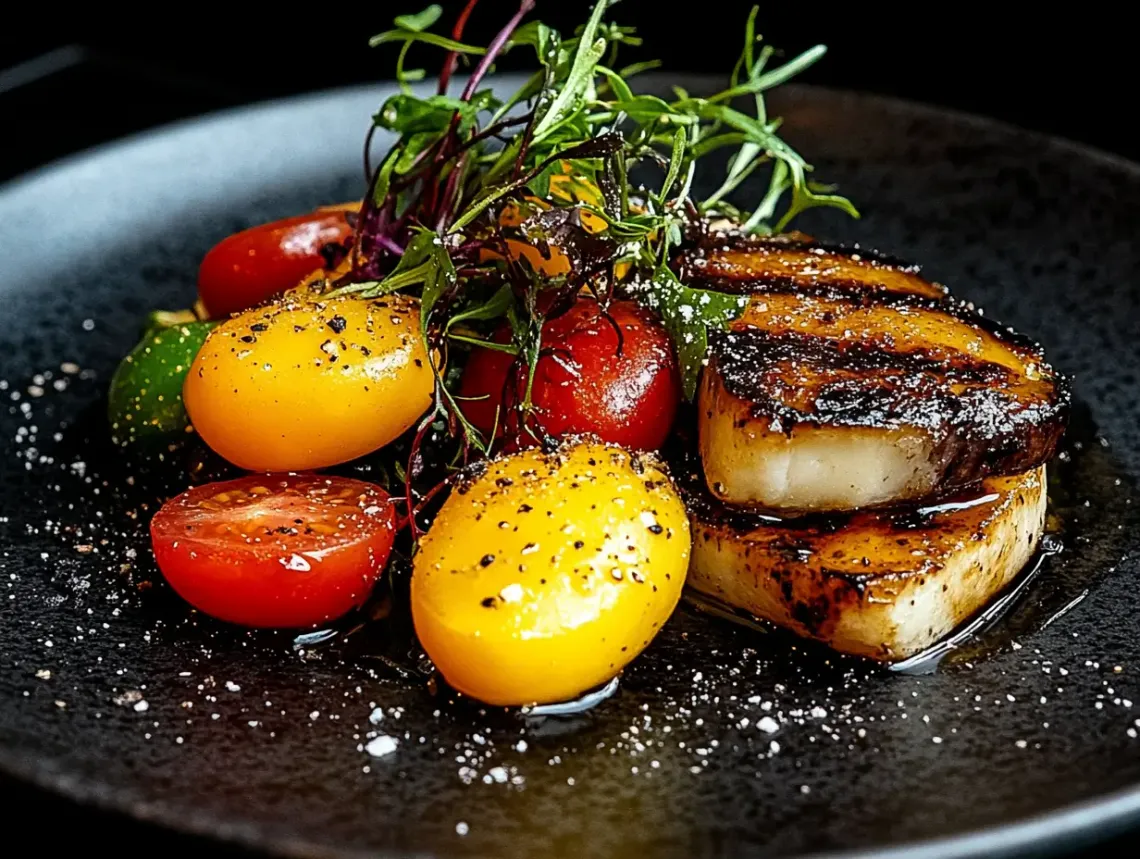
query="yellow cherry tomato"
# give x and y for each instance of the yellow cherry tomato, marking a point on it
(543, 577)
(306, 382)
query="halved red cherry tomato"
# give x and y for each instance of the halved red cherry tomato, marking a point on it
(255, 264)
(584, 382)
(275, 550)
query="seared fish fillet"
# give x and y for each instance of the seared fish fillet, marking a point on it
(853, 383)
(885, 585)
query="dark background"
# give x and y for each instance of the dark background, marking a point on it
(71, 83)
(1071, 74)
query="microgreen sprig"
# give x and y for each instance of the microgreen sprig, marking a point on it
(471, 176)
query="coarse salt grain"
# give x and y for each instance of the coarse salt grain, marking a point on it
(381, 746)
(768, 725)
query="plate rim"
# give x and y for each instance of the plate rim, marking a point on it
(1050, 833)
(1064, 828)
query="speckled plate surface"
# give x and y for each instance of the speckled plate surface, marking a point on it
(721, 741)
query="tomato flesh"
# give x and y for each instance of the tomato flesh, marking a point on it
(278, 550)
(588, 381)
(248, 267)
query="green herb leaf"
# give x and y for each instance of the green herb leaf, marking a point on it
(458, 161)
(675, 160)
(421, 20)
(436, 270)
(409, 114)
(639, 68)
(415, 268)
(479, 343)
(596, 147)
(774, 78)
(580, 78)
(620, 87)
(493, 308)
(405, 35)
(384, 177)
(538, 35)
(688, 314)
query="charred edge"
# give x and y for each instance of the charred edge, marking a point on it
(865, 294)
(815, 598)
(861, 384)
(978, 427)
(797, 546)
(692, 264)
(735, 241)
(957, 310)
(821, 284)
(802, 529)
(859, 294)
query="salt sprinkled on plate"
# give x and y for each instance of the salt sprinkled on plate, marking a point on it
(381, 746)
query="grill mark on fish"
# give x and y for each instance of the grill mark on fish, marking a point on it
(807, 354)
(710, 243)
(747, 264)
(982, 418)
(796, 378)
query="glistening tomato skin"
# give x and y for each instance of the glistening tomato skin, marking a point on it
(293, 550)
(306, 382)
(255, 264)
(585, 383)
(543, 576)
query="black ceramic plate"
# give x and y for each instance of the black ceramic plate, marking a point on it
(721, 741)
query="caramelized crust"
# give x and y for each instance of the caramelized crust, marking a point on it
(883, 585)
(736, 264)
(833, 395)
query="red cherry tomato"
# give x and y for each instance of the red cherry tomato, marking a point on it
(258, 263)
(583, 384)
(275, 550)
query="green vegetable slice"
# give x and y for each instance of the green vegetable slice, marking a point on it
(145, 400)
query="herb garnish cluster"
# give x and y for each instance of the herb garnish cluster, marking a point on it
(473, 177)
